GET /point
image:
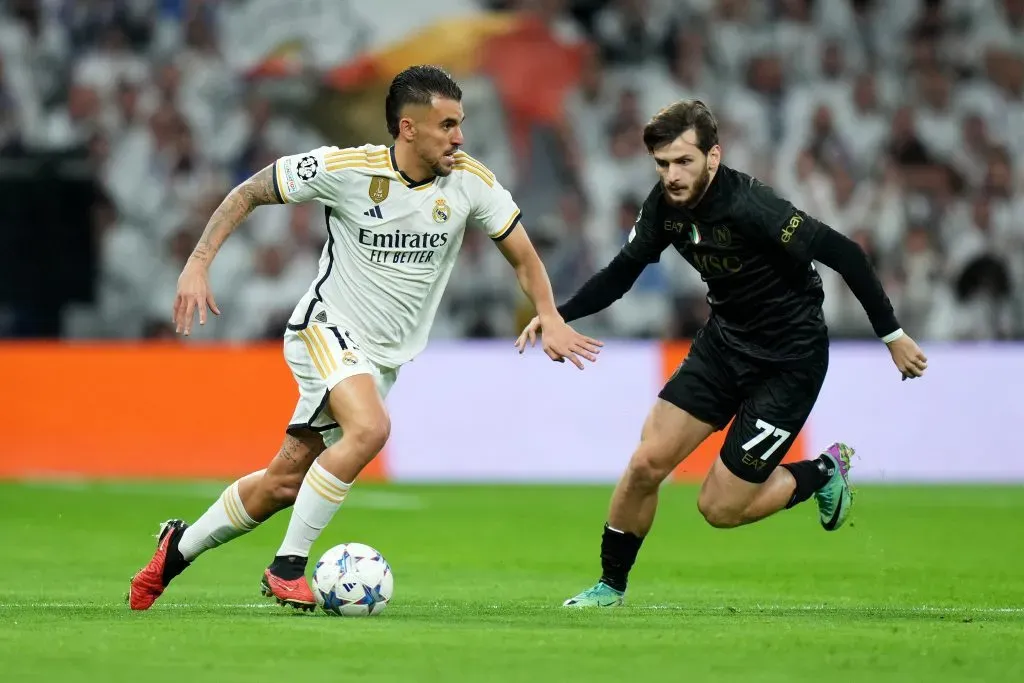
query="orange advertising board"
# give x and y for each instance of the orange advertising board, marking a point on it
(167, 410)
(152, 410)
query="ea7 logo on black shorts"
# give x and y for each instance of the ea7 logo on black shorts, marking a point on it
(790, 228)
(307, 168)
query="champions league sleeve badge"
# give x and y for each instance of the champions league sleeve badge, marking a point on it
(307, 168)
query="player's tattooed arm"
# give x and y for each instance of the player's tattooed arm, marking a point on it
(193, 284)
(258, 190)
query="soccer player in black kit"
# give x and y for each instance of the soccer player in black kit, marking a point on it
(760, 359)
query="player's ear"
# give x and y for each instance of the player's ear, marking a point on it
(406, 128)
(714, 157)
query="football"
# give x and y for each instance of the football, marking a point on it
(352, 580)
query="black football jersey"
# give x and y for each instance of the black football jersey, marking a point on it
(753, 249)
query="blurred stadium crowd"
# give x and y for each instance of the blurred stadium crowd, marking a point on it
(899, 123)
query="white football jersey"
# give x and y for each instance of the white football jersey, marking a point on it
(391, 242)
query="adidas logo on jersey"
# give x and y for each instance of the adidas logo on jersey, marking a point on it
(374, 213)
(321, 317)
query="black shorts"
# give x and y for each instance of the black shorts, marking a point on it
(770, 401)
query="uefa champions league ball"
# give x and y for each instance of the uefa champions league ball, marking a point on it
(352, 580)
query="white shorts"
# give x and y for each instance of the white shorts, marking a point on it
(321, 356)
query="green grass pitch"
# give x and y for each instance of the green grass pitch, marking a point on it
(926, 585)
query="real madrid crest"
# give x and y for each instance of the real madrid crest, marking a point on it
(442, 212)
(379, 187)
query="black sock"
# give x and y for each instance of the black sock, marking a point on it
(288, 567)
(810, 476)
(618, 553)
(174, 562)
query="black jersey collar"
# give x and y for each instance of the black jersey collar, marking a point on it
(409, 182)
(713, 197)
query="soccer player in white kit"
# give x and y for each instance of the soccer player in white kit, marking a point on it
(395, 221)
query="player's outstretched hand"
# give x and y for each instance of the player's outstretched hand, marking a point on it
(529, 335)
(193, 294)
(560, 341)
(908, 357)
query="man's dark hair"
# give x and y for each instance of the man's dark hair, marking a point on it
(676, 119)
(417, 85)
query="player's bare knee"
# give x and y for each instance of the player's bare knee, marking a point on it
(368, 436)
(649, 467)
(718, 515)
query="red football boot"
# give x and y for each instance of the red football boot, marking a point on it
(149, 584)
(289, 592)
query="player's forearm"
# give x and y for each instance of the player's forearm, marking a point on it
(603, 289)
(256, 191)
(845, 256)
(534, 281)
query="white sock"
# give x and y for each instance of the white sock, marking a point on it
(226, 519)
(319, 498)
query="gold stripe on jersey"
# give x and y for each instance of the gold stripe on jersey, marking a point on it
(354, 154)
(357, 150)
(462, 166)
(371, 158)
(312, 352)
(463, 158)
(320, 484)
(503, 233)
(355, 158)
(425, 187)
(357, 163)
